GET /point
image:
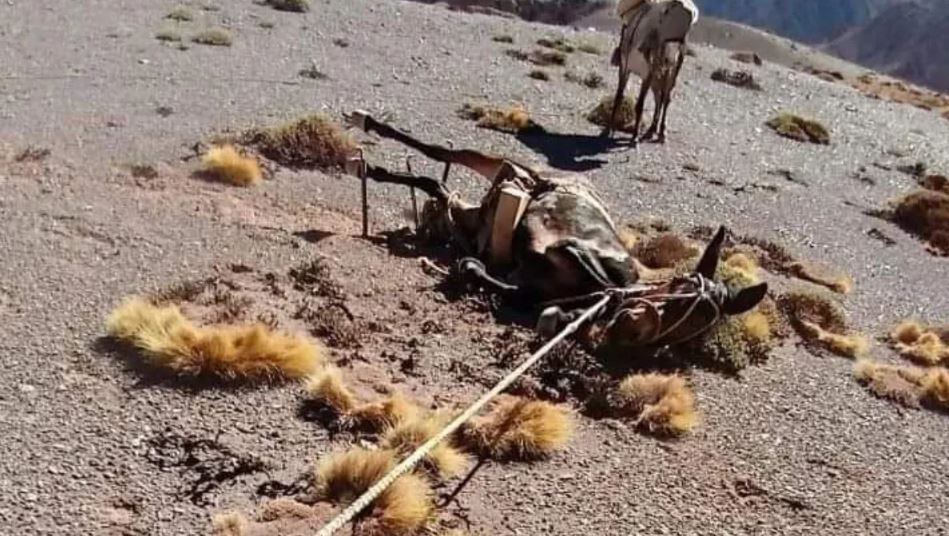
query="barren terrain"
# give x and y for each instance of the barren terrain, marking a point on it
(93, 445)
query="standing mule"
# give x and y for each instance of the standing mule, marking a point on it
(652, 45)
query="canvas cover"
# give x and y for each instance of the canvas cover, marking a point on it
(652, 23)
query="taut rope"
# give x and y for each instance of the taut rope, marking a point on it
(373, 493)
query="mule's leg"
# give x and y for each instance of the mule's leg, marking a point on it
(670, 86)
(483, 164)
(473, 269)
(657, 98)
(427, 184)
(641, 103)
(621, 84)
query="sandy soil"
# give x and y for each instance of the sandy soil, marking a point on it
(94, 446)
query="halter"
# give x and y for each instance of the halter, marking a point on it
(639, 298)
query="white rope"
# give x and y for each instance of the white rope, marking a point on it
(373, 493)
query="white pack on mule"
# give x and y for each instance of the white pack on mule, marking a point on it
(652, 45)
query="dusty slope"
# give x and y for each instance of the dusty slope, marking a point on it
(79, 428)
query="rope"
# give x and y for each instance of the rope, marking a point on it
(373, 493)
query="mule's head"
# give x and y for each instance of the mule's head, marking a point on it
(686, 307)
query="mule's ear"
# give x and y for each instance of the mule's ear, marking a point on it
(745, 299)
(709, 261)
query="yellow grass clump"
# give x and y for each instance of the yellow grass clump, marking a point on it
(839, 283)
(739, 270)
(229, 524)
(665, 250)
(385, 413)
(660, 403)
(445, 460)
(226, 164)
(518, 429)
(404, 508)
(926, 213)
(314, 141)
(798, 128)
(328, 388)
(600, 115)
(512, 119)
(908, 386)
(853, 345)
(169, 341)
(629, 238)
(920, 344)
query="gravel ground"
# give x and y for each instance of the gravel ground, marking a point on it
(793, 447)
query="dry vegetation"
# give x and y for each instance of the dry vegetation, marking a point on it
(547, 57)
(328, 390)
(665, 250)
(600, 115)
(180, 14)
(740, 79)
(226, 164)
(294, 6)
(168, 341)
(920, 344)
(820, 275)
(798, 128)
(818, 319)
(518, 429)
(591, 80)
(169, 35)
(512, 120)
(229, 524)
(908, 386)
(444, 461)
(558, 43)
(218, 37)
(925, 213)
(539, 74)
(660, 404)
(402, 509)
(503, 39)
(311, 142)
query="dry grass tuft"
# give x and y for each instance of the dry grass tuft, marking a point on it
(839, 283)
(546, 58)
(519, 429)
(504, 38)
(342, 477)
(311, 142)
(385, 413)
(741, 341)
(444, 460)
(180, 14)
(169, 341)
(559, 44)
(403, 508)
(926, 214)
(218, 37)
(853, 345)
(800, 129)
(512, 120)
(588, 48)
(662, 404)
(920, 344)
(739, 271)
(936, 183)
(600, 115)
(908, 386)
(293, 6)
(538, 74)
(629, 237)
(328, 388)
(226, 164)
(229, 524)
(665, 250)
(169, 35)
(591, 80)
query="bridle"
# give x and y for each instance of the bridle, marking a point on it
(643, 299)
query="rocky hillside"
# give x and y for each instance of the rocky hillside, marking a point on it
(549, 11)
(908, 40)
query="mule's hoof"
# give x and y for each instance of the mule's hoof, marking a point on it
(471, 265)
(548, 324)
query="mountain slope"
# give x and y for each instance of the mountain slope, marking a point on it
(808, 21)
(908, 40)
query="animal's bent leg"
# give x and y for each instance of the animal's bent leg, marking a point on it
(483, 164)
(427, 184)
(472, 268)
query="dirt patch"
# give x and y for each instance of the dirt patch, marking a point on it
(205, 465)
